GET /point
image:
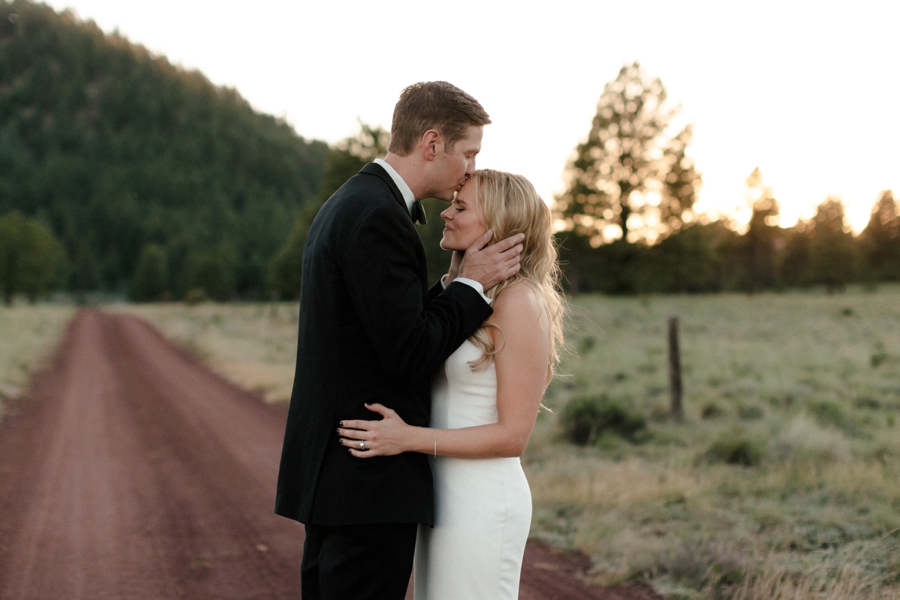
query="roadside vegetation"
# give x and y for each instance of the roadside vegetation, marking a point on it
(28, 336)
(782, 481)
(253, 345)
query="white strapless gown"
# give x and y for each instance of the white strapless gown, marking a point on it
(482, 506)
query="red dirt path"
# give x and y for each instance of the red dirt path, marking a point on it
(133, 472)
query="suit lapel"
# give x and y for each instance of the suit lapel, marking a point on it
(377, 171)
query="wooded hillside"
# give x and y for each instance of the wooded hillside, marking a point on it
(121, 153)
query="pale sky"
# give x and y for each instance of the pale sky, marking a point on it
(807, 91)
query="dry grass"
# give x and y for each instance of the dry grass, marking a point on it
(28, 335)
(812, 380)
(848, 584)
(254, 345)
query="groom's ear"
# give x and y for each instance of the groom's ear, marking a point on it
(432, 144)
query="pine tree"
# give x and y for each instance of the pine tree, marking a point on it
(832, 251)
(150, 281)
(759, 243)
(880, 240)
(629, 155)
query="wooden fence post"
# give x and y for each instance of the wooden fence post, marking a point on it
(676, 412)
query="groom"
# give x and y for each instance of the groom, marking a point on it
(370, 330)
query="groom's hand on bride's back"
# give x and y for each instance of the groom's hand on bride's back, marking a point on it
(489, 265)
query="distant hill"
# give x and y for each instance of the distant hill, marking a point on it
(118, 151)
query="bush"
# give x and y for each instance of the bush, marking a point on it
(701, 565)
(195, 296)
(711, 410)
(828, 413)
(735, 447)
(150, 276)
(804, 440)
(585, 418)
(750, 412)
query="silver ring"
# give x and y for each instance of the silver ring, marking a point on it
(362, 445)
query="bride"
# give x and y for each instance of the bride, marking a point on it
(485, 400)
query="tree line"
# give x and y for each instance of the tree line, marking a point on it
(628, 224)
(122, 173)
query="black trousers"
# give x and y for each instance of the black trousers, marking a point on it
(357, 562)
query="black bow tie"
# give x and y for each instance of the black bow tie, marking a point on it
(418, 213)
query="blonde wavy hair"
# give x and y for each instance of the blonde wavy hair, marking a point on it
(510, 205)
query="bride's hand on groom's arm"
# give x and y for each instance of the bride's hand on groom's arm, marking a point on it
(387, 437)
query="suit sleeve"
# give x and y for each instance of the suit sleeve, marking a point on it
(434, 291)
(410, 338)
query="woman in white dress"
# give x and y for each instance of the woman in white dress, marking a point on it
(485, 401)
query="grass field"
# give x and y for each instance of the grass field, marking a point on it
(810, 383)
(28, 335)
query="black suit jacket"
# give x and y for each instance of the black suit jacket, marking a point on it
(369, 331)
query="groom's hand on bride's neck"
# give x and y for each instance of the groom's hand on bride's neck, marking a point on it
(489, 265)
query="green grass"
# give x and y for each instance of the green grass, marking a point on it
(802, 387)
(28, 335)
(795, 393)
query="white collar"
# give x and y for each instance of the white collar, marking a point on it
(407, 193)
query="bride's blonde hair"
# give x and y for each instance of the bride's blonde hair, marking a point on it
(510, 205)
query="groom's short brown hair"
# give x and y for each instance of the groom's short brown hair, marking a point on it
(434, 105)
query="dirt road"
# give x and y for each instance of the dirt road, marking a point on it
(133, 472)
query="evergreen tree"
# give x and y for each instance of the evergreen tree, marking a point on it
(832, 250)
(116, 148)
(286, 267)
(680, 185)
(212, 272)
(30, 257)
(880, 240)
(629, 155)
(697, 259)
(758, 248)
(794, 259)
(150, 281)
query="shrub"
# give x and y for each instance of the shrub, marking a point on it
(828, 413)
(587, 417)
(735, 447)
(700, 565)
(878, 358)
(750, 412)
(586, 344)
(150, 276)
(804, 440)
(195, 296)
(711, 410)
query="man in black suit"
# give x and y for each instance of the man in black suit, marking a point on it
(370, 331)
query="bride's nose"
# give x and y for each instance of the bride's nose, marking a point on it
(447, 212)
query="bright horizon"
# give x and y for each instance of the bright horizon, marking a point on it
(806, 92)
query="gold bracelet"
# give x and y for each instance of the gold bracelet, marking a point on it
(434, 433)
